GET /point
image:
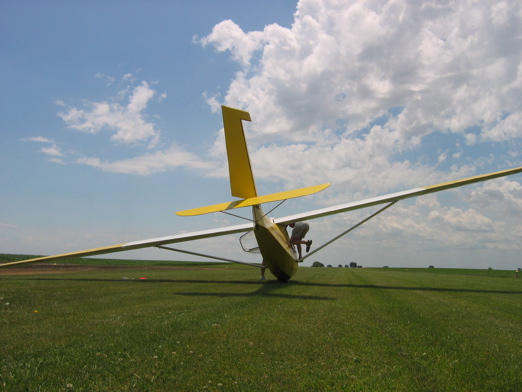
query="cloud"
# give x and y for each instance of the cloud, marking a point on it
(54, 150)
(458, 219)
(109, 80)
(8, 226)
(39, 139)
(498, 196)
(383, 96)
(160, 161)
(228, 36)
(127, 123)
(504, 129)
(356, 88)
(129, 127)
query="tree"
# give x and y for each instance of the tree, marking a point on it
(317, 264)
(353, 264)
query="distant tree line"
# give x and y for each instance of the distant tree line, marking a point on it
(353, 264)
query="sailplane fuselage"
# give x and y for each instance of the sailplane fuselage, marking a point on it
(274, 245)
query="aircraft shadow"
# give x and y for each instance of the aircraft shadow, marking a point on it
(267, 288)
(439, 289)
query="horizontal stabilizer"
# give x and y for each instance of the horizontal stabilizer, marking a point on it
(251, 201)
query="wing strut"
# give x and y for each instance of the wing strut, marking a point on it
(350, 229)
(208, 256)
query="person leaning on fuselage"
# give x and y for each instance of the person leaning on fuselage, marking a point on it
(299, 230)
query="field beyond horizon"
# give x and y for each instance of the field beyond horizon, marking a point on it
(104, 325)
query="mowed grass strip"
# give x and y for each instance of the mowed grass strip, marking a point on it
(217, 328)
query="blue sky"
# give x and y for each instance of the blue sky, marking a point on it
(110, 122)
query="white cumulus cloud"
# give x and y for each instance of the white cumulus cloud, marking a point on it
(364, 83)
(127, 122)
(38, 139)
(159, 161)
(385, 95)
(54, 150)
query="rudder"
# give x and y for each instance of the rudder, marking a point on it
(242, 182)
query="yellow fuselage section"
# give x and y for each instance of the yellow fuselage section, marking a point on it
(274, 245)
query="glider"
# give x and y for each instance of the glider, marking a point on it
(272, 238)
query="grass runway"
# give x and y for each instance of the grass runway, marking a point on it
(214, 327)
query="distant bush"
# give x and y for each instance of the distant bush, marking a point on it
(353, 264)
(317, 264)
(431, 266)
(329, 265)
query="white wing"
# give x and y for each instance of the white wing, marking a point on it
(393, 197)
(196, 235)
(285, 220)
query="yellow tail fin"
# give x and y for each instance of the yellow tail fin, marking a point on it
(242, 182)
(241, 177)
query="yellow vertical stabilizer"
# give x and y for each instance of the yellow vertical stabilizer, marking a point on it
(241, 177)
(242, 182)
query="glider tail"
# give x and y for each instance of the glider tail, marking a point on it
(242, 184)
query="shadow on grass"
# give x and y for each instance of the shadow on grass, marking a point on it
(257, 294)
(266, 288)
(439, 289)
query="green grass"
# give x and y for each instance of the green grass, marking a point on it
(217, 328)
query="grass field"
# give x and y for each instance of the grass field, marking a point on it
(214, 327)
